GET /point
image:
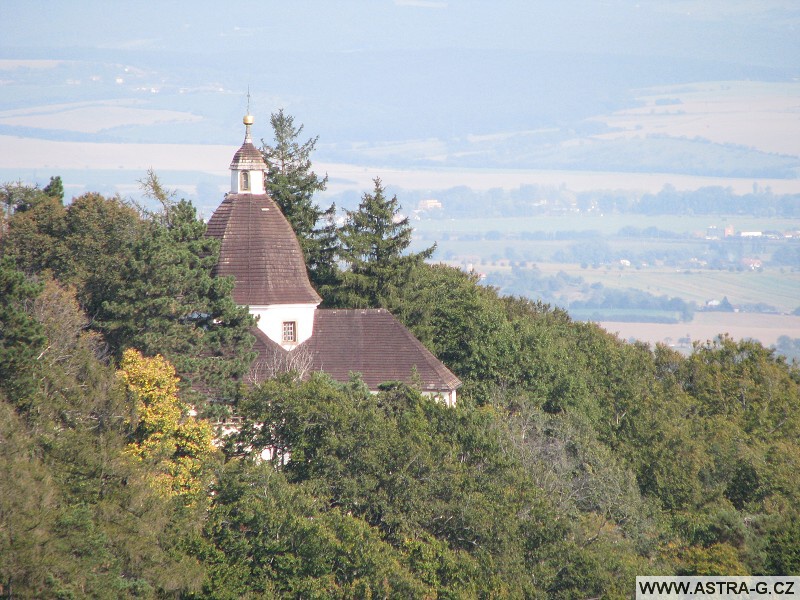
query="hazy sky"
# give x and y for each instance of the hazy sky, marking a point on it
(761, 32)
(385, 72)
(379, 57)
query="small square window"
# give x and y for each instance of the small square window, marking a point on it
(289, 331)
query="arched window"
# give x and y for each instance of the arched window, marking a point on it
(245, 181)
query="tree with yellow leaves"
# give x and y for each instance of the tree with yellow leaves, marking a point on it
(164, 434)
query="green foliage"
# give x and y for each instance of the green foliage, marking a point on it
(620, 430)
(292, 184)
(166, 436)
(55, 189)
(373, 246)
(21, 337)
(35, 233)
(27, 498)
(747, 383)
(166, 301)
(99, 234)
(77, 519)
(437, 483)
(145, 282)
(266, 537)
(84, 244)
(18, 197)
(573, 462)
(783, 544)
(461, 322)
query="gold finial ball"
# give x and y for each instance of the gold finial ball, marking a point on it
(248, 120)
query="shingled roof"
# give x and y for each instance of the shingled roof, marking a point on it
(248, 158)
(260, 250)
(371, 342)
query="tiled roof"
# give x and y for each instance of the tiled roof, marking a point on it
(370, 342)
(248, 158)
(259, 248)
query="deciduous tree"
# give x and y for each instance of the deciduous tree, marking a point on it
(165, 435)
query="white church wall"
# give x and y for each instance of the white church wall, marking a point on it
(255, 182)
(446, 396)
(271, 321)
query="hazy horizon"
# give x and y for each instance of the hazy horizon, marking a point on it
(698, 89)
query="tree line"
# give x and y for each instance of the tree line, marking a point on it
(537, 199)
(573, 462)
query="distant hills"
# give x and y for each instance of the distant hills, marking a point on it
(418, 84)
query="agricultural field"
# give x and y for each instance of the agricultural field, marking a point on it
(583, 262)
(604, 224)
(707, 326)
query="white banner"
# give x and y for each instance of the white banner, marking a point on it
(729, 588)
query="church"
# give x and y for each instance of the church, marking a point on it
(258, 247)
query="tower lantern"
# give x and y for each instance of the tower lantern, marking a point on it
(248, 168)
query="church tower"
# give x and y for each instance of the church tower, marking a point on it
(247, 167)
(260, 250)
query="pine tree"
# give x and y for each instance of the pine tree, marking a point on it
(168, 302)
(374, 241)
(292, 184)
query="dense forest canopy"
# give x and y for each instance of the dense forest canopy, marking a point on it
(573, 462)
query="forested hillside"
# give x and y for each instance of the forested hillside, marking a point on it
(572, 462)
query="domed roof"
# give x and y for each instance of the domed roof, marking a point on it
(260, 249)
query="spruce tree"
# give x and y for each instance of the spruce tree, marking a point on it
(292, 184)
(374, 241)
(21, 338)
(55, 189)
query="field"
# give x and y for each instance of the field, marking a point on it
(605, 224)
(771, 286)
(523, 249)
(720, 111)
(706, 326)
(90, 142)
(778, 288)
(28, 158)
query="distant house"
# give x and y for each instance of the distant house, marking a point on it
(260, 250)
(429, 204)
